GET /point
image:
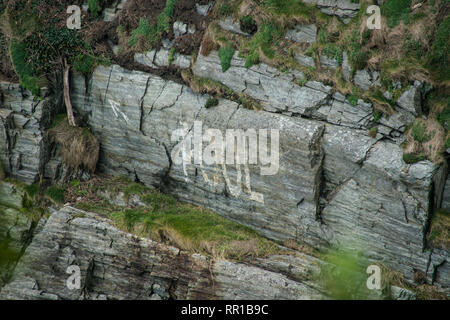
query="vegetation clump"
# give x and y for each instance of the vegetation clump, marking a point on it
(79, 147)
(226, 55)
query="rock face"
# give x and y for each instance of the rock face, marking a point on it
(117, 265)
(345, 10)
(22, 123)
(335, 184)
(303, 34)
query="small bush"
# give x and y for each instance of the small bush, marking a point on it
(357, 57)
(83, 63)
(212, 102)
(418, 132)
(411, 158)
(248, 25)
(395, 11)
(56, 194)
(373, 132)
(226, 54)
(252, 59)
(334, 52)
(94, 7)
(171, 55)
(23, 68)
(353, 99)
(289, 7)
(440, 51)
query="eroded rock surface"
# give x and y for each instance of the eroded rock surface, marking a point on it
(117, 265)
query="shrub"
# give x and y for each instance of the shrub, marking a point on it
(84, 63)
(226, 54)
(248, 25)
(289, 7)
(440, 57)
(56, 194)
(357, 57)
(411, 158)
(94, 7)
(373, 132)
(171, 55)
(334, 52)
(396, 10)
(252, 59)
(418, 132)
(344, 277)
(212, 102)
(23, 68)
(353, 99)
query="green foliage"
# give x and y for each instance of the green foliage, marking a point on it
(212, 102)
(440, 52)
(353, 99)
(444, 116)
(395, 11)
(171, 55)
(252, 59)
(344, 276)
(447, 143)
(151, 33)
(248, 25)
(56, 194)
(32, 190)
(23, 68)
(187, 226)
(377, 116)
(289, 7)
(373, 132)
(334, 52)
(226, 54)
(323, 37)
(357, 58)
(418, 132)
(84, 63)
(411, 158)
(94, 7)
(265, 39)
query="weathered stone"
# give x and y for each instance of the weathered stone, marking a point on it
(203, 9)
(411, 100)
(345, 10)
(159, 59)
(366, 79)
(303, 34)
(446, 195)
(230, 25)
(117, 265)
(327, 62)
(179, 28)
(346, 68)
(11, 195)
(276, 91)
(304, 60)
(398, 293)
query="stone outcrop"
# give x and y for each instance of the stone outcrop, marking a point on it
(117, 265)
(335, 184)
(345, 10)
(23, 120)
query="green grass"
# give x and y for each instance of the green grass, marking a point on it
(395, 11)
(153, 33)
(418, 132)
(357, 58)
(171, 55)
(264, 40)
(56, 194)
(211, 102)
(439, 233)
(334, 52)
(94, 7)
(23, 67)
(411, 158)
(226, 55)
(440, 51)
(344, 277)
(289, 7)
(353, 99)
